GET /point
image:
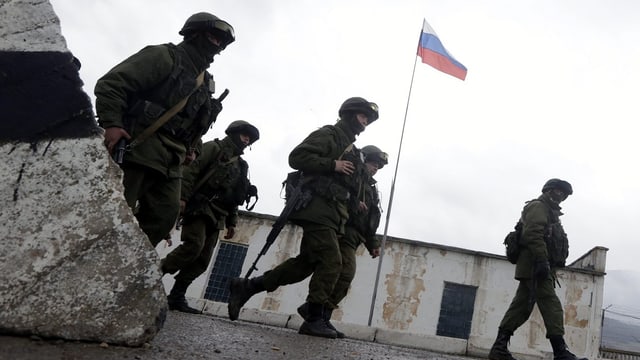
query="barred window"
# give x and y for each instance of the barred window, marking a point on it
(228, 264)
(456, 310)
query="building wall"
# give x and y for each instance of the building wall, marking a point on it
(414, 276)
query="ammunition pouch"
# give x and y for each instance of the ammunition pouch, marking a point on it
(195, 203)
(557, 245)
(291, 182)
(328, 188)
(152, 111)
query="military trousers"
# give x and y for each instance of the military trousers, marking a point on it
(199, 237)
(347, 273)
(319, 257)
(548, 304)
(154, 199)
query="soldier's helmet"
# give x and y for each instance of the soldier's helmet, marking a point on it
(561, 185)
(356, 105)
(373, 153)
(205, 22)
(243, 127)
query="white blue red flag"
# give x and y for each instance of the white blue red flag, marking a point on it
(433, 53)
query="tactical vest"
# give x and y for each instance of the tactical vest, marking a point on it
(341, 187)
(555, 238)
(367, 223)
(194, 119)
(229, 185)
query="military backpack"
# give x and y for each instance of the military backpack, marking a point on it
(555, 239)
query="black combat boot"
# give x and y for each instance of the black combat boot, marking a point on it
(303, 310)
(315, 325)
(240, 291)
(327, 319)
(177, 300)
(561, 350)
(499, 349)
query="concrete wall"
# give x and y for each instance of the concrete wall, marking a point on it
(74, 264)
(409, 294)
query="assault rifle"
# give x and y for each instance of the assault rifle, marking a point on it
(296, 200)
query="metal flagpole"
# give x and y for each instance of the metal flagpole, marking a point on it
(393, 187)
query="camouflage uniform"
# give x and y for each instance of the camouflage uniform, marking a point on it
(204, 219)
(324, 218)
(133, 95)
(361, 229)
(536, 217)
(544, 248)
(136, 92)
(213, 188)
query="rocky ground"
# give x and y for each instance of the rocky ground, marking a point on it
(190, 337)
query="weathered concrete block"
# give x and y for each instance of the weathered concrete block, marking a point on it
(74, 263)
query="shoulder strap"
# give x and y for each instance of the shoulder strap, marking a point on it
(349, 148)
(166, 116)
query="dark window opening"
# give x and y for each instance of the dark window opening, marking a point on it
(456, 310)
(228, 264)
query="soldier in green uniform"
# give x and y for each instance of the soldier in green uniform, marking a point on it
(164, 86)
(328, 160)
(214, 185)
(544, 248)
(360, 229)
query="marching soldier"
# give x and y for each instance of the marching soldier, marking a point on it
(159, 100)
(360, 229)
(544, 248)
(327, 160)
(214, 185)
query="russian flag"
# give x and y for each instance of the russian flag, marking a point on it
(433, 53)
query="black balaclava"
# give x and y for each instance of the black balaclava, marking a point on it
(354, 124)
(204, 48)
(235, 138)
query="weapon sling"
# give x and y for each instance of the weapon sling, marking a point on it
(166, 116)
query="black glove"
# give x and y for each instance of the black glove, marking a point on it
(541, 269)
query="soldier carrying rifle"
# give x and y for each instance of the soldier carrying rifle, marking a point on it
(327, 159)
(214, 185)
(159, 100)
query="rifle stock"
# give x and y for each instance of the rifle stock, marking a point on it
(298, 198)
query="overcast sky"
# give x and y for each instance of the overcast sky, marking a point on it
(551, 91)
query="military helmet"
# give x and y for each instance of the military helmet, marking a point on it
(356, 105)
(374, 154)
(243, 127)
(205, 22)
(561, 185)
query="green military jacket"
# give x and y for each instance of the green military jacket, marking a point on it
(225, 171)
(141, 88)
(362, 225)
(536, 218)
(331, 192)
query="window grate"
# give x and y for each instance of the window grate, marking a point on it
(456, 310)
(228, 264)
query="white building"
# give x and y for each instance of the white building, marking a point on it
(429, 296)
